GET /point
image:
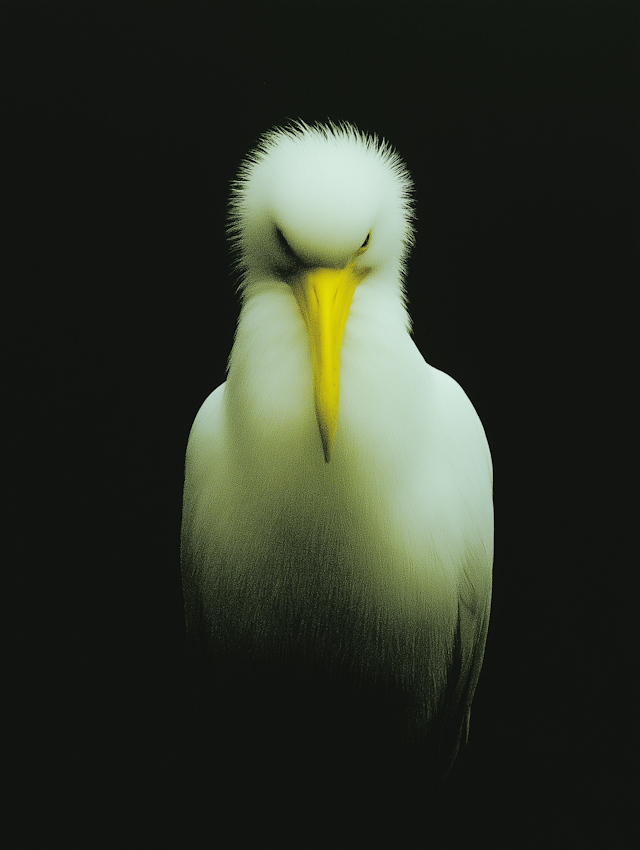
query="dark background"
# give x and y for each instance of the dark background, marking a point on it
(517, 121)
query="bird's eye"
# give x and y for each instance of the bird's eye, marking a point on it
(284, 244)
(365, 244)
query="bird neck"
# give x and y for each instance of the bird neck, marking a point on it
(269, 392)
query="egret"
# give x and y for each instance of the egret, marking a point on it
(337, 534)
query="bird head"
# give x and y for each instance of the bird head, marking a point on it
(324, 210)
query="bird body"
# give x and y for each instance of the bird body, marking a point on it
(363, 557)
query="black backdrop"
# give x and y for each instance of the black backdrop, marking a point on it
(516, 122)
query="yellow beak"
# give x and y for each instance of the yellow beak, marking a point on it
(324, 297)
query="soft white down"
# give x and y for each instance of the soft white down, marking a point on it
(364, 556)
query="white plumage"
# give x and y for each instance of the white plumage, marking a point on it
(337, 539)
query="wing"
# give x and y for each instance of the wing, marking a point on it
(451, 727)
(200, 470)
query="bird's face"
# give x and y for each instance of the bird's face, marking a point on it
(327, 264)
(322, 213)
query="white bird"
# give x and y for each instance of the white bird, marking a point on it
(337, 538)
